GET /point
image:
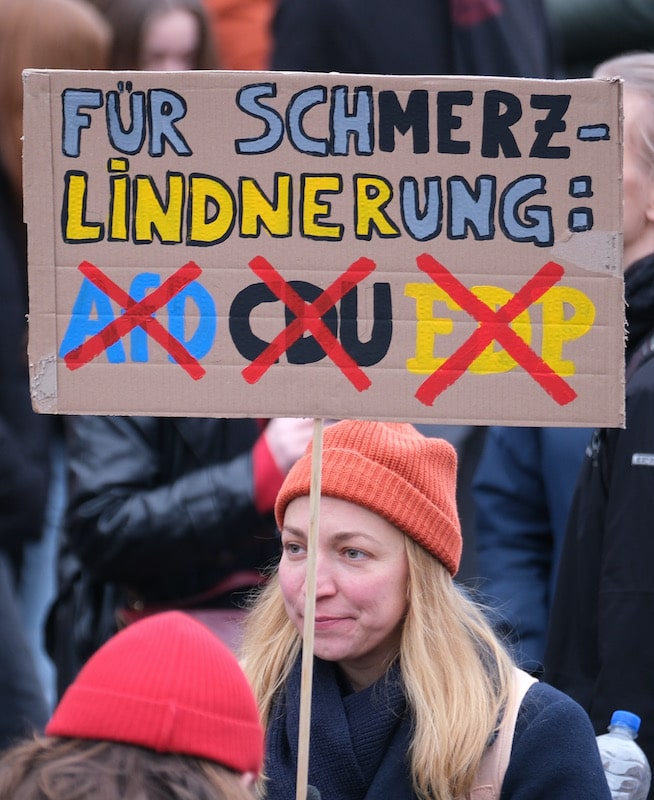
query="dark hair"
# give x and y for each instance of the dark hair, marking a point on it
(50, 768)
(128, 19)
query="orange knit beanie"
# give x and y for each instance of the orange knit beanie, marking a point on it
(393, 470)
(169, 684)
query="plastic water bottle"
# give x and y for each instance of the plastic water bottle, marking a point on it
(625, 765)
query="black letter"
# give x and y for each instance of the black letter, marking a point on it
(305, 350)
(448, 122)
(371, 352)
(416, 116)
(496, 129)
(553, 123)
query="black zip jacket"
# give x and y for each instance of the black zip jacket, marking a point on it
(599, 647)
(161, 511)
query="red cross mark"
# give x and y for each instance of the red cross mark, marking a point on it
(137, 314)
(493, 326)
(308, 317)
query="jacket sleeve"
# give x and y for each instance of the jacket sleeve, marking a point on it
(24, 474)
(513, 537)
(522, 491)
(554, 753)
(131, 527)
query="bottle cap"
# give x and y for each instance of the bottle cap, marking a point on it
(626, 718)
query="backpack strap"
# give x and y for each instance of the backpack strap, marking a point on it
(495, 760)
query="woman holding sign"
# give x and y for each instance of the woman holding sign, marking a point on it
(413, 694)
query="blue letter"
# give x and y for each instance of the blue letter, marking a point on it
(72, 101)
(90, 301)
(297, 108)
(248, 100)
(202, 340)
(166, 108)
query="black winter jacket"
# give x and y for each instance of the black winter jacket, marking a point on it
(165, 507)
(160, 510)
(599, 648)
(415, 37)
(24, 435)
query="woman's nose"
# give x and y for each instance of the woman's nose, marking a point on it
(325, 582)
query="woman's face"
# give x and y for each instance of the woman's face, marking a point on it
(171, 41)
(361, 585)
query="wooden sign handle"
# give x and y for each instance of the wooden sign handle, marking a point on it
(309, 614)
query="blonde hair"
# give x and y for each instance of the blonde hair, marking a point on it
(42, 34)
(456, 672)
(637, 71)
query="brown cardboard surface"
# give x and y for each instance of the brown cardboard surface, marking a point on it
(441, 249)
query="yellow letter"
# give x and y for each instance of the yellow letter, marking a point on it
(428, 326)
(150, 213)
(557, 329)
(372, 195)
(491, 360)
(256, 208)
(75, 229)
(118, 200)
(313, 208)
(205, 192)
(495, 359)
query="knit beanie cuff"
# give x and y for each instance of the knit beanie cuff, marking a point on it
(161, 725)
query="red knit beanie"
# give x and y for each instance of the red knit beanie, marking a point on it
(169, 684)
(393, 470)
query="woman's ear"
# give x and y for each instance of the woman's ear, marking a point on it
(248, 779)
(649, 209)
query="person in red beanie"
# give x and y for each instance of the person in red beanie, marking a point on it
(162, 710)
(414, 697)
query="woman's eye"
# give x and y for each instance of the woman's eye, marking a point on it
(354, 554)
(293, 548)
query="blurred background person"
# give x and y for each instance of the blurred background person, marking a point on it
(526, 477)
(159, 34)
(598, 649)
(58, 34)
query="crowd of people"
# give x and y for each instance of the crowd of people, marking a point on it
(481, 594)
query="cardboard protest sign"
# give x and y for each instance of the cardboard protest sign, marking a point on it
(442, 249)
